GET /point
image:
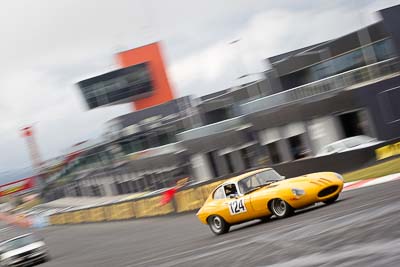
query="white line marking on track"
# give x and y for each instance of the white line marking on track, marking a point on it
(362, 183)
(383, 179)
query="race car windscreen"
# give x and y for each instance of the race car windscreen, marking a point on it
(258, 180)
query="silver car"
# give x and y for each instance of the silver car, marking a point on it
(23, 250)
(348, 144)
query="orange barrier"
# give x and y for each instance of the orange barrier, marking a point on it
(57, 219)
(120, 211)
(151, 207)
(184, 200)
(194, 198)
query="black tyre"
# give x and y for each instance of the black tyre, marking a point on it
(265, 219)
(218, 225)
(280, 208)
(331, 200)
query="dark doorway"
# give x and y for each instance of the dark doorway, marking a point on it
(95, 190)
(228, 160)
(217, 115)
(297, 147)
(351, 124)
(274, 153)
(141, 184)
(78, 191)
(133, 186)
(246, 157)
(211, 159)
(118, 188)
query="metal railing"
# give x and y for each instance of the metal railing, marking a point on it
(155, 151)
(210, 129)
(333, 83)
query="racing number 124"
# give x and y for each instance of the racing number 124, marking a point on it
(237, 206)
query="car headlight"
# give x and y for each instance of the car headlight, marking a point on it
(339, 176)
(298, 192)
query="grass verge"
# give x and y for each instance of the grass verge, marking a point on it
(375, 171)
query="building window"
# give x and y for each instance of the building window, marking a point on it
(141, 185)
(118, 188)
(246, 157)
(274, 153)
(388, 103)
(166, 138)
(211, 159)
(217, 115)
(78, 191)
(384, 49)
(351, 124)
(297, 147)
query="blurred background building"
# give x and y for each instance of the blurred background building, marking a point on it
(309, 98)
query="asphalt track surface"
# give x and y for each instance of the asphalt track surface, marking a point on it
(361, 229)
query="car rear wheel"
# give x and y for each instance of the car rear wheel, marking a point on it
(265, 219)
(331, 200)
(281, 208)
(218, 225)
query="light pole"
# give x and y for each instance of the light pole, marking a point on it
(251, 74)
(240, 68)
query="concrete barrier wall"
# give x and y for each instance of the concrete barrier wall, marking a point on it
(192, 197)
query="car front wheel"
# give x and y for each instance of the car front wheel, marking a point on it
(331, 200)
(218, 225)
(281, 208)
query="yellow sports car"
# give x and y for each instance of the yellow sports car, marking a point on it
(262, 193)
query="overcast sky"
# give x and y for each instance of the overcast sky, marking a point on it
(47, 46)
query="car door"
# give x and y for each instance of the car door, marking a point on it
(258, 198)
(237, 207)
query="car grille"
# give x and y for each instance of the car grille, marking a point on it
(327, 191)
(25, 254)
(22, 258)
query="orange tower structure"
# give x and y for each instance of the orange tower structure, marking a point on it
(152, 55)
